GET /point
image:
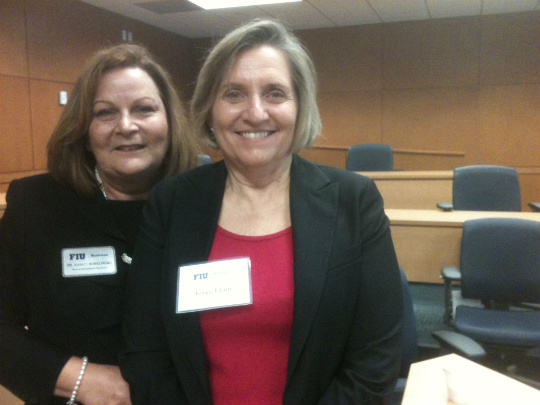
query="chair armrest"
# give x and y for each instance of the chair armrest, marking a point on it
(451, 273)
(445, 206)
(462, 344)
(535, 206)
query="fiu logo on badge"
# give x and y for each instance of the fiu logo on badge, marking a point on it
(214, 284)
(88, 261)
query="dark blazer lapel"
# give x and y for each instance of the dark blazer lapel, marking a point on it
(196, 235)
(313, 200)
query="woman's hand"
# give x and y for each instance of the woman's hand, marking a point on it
(101, 384)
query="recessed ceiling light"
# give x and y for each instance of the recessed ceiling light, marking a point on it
(213, 4)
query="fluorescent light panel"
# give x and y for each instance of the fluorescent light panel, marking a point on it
(213, 4)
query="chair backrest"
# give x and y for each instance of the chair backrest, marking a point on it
(409, 344)
(372, 157)
(500, 260)
(204, 159)
(486, 188)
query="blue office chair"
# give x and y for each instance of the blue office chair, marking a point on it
(485, 188)
(499, 267)
(373, 157)
(204, 159)
(409, 344)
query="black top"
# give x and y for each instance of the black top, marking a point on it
(77, 316)
(128, 215)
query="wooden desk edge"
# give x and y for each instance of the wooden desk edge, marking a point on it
(430, 174)
(410, 175)
(453, 219)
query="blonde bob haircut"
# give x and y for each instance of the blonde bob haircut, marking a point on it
(220, 60)
(68, 157)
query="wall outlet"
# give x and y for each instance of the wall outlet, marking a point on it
(62, 98)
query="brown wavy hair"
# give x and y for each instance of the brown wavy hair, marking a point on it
(68, 158)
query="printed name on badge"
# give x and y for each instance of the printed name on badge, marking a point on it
(216, 284)
(88, 261)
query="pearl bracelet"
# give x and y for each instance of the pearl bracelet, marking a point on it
(78, 383)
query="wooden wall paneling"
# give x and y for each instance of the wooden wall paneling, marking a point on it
(62, 34)
(415, 247)
(415, 193)
(13, 61)
(529, 181)
(113, 25)
(442, 119)
(171, 50)
(6, 178)
(45, 113)
(199, 51)
(433, 53)
(346, 58)
(350, 118)
(509, 126)
(510, 48)
(336, 157)
(16, 145)
(427, 160)
(174, 52)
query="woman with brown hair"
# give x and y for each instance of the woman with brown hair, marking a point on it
(67, 236)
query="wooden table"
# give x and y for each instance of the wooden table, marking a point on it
(413, 189)
(426, 384)
(423, 189)
(7, 398)
(427, 240)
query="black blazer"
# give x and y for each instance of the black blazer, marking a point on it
(345, 344)
(65, 316)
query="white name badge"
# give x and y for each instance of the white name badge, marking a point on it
(89, 261)
(216, 284)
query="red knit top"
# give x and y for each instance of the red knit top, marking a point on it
(247, 347)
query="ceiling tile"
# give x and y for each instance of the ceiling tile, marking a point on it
(309, 13)
(453, 8)
(168, 6)
(298, 16)
(508, 6)
(408, 10)
(346, 12)
(240, 15)
(198, 24)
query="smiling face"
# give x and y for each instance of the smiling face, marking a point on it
(254, 114)
(128, 134)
